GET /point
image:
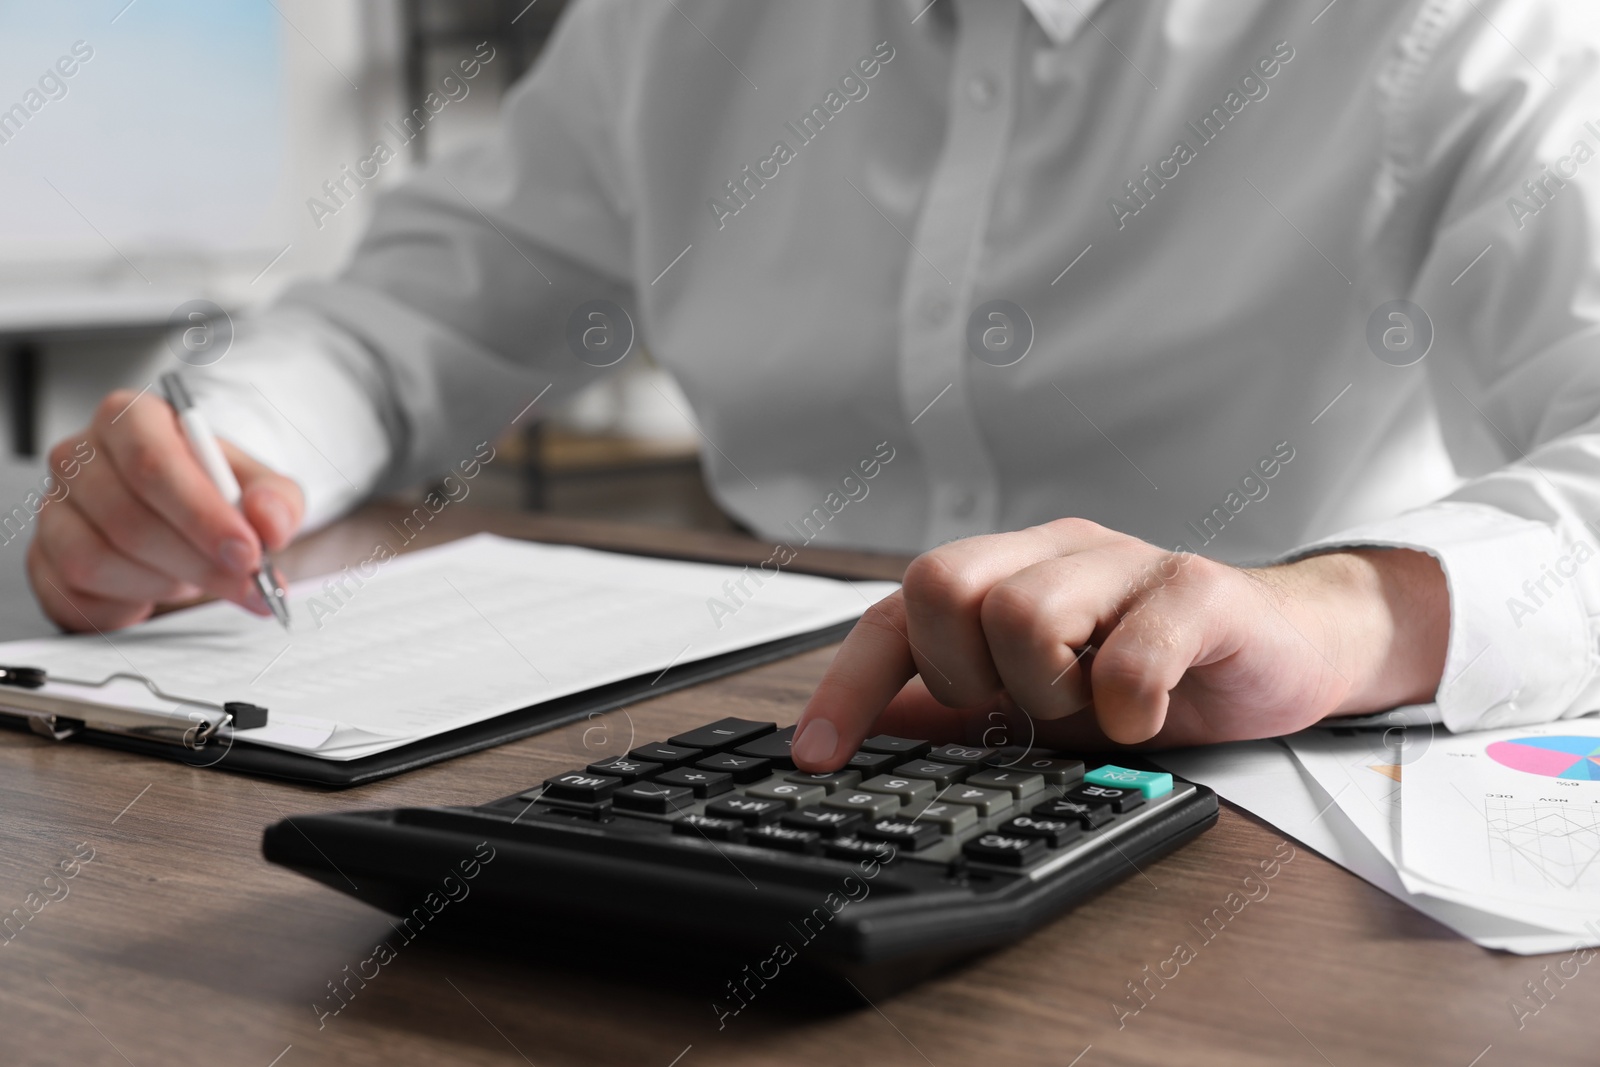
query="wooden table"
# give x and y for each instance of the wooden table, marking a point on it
(177, 944)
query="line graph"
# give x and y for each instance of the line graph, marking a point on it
(1543, 844)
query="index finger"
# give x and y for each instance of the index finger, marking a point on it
(871, 667)
(155, 460)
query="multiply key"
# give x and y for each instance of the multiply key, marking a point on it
(724, 733)
(581, 786)
(743, 768)
(1088, 816)
(1005, 850)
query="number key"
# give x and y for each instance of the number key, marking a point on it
(986, 801)
(872, 805)
(909, 790)
(1018, 783)
(792, 794)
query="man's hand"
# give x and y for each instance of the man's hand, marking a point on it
(988, 632)
(140, 523)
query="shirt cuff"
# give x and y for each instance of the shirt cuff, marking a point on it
(281, 396)
(1520, 648)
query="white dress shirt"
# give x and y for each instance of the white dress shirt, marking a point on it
(1199, 205)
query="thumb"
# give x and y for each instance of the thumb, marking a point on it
(272, 503)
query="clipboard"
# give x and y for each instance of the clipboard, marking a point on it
(195, 737)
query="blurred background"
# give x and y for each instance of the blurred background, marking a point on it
(175, 164)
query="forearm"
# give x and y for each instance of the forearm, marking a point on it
(1386, 623)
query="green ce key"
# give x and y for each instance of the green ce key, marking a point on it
(1150, 783)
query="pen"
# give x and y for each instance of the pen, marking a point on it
(209, 453)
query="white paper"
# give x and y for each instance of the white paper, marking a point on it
(1264, 778)
(420, 644)
(1357, 773)
(1512, 815)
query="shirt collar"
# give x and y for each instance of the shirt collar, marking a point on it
(1060, 19)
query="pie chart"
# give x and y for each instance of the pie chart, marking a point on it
(1551, 757)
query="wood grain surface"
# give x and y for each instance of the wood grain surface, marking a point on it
(176, 944)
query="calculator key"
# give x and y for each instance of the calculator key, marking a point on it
(704, 783)
(950, 818)
(872, 762)
(833, 782)
(752, 811)
(724, 733)
(581, 786)
(907, 834)
(872, 805)
(1019, 784)
(857, 849)
(1053, 832)
(743, 768)
(773, 746)
(1149, 783)
(666, 755)
(823, 821)
(1120, 800)
(696, 825)
(961, 754)
(985, 801)
(903, 747)
(1089, 816)
(940, 774)
(909, 790)
(1052, 769)
(1005, 850)
(652, 797)
(793, 794)
(629, 770)
(786, 838)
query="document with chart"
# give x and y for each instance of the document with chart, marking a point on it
(1510, 815)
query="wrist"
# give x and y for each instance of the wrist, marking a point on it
(1386, 624)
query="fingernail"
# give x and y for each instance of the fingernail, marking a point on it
(256, 602)
(238, 556)
(276, 516)
(816, 742)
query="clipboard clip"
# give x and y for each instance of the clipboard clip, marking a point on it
(192, 724)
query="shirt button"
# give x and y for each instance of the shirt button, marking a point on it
(935, 309)
(964, 505)
(981, 91)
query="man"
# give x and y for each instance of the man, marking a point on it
(1099, 277)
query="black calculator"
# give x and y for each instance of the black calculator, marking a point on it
(711, 843)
